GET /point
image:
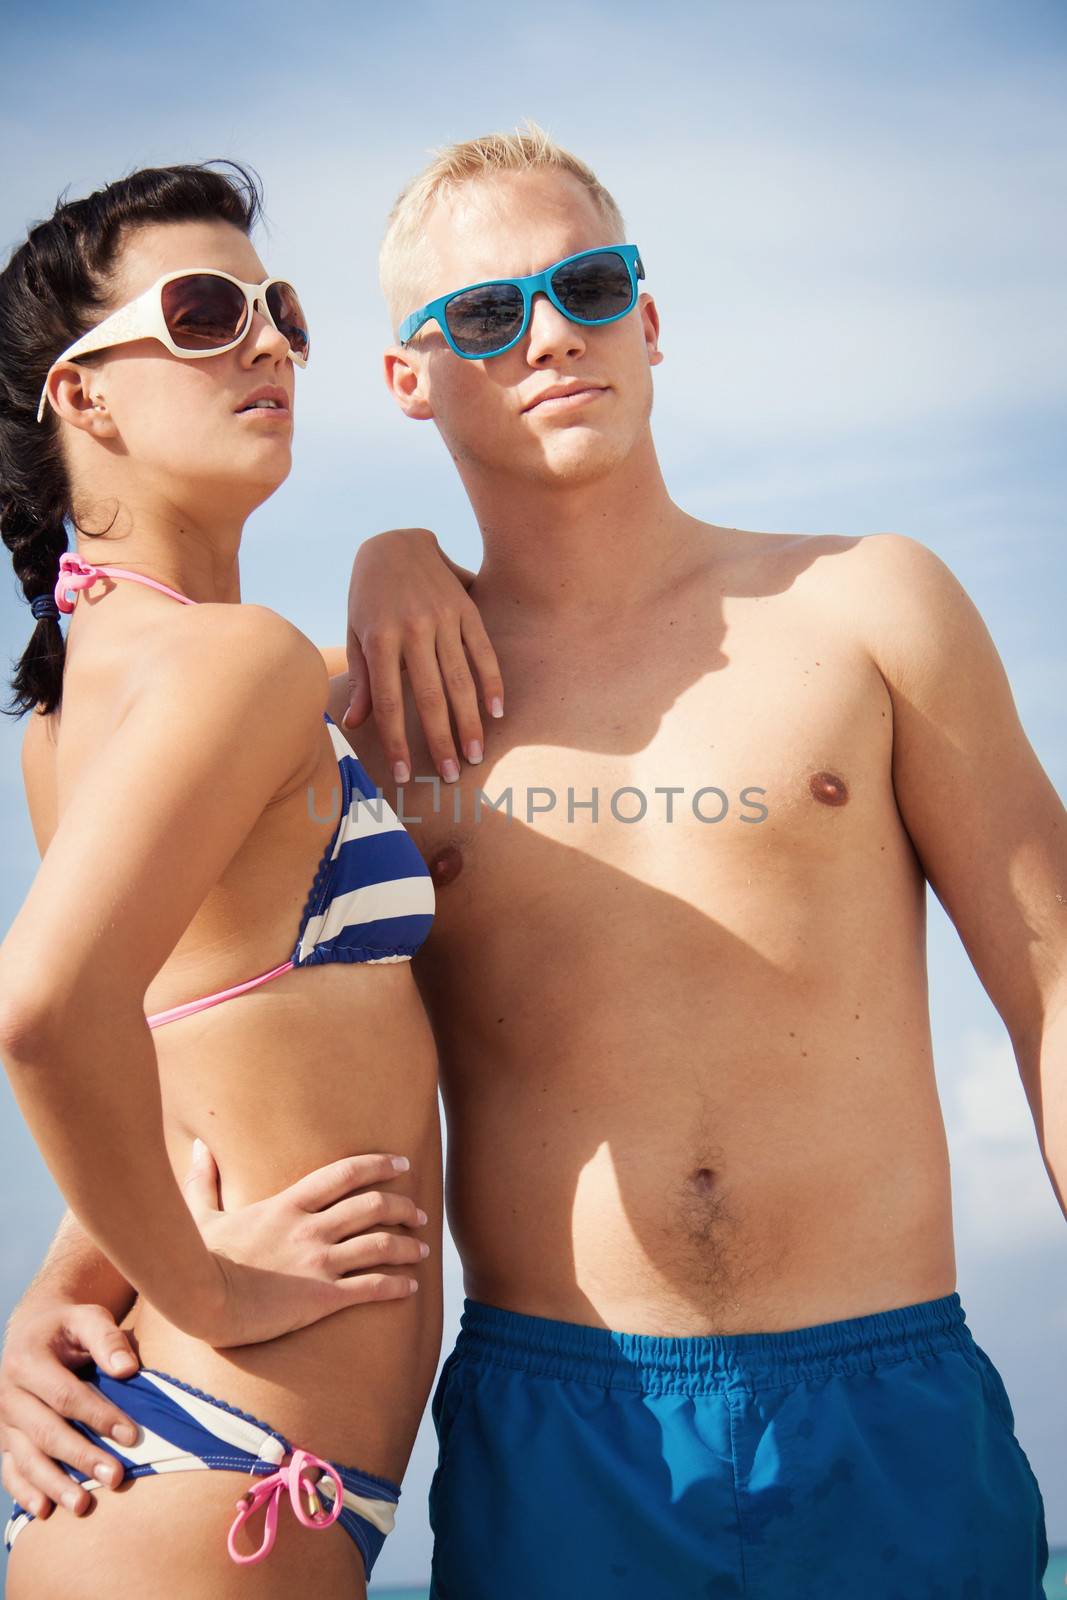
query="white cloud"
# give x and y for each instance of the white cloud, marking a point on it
(1003, 1201)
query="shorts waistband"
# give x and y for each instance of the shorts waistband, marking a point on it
(707, 1363)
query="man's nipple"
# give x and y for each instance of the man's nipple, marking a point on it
(828, 788)
(446, 865)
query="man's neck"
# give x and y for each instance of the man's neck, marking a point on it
(585, 552)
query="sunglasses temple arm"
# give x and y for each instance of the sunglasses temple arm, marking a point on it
(128, 322)
(418, 319)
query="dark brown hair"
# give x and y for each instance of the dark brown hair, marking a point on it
(54, 288)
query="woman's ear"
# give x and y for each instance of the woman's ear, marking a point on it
(77, 397)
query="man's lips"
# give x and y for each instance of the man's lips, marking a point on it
(564, 397)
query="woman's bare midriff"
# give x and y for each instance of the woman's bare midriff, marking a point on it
(322, 1063)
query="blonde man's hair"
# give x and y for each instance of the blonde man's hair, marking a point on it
(405, 260)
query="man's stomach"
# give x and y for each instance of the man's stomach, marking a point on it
(695, 1194)
(322, 1063)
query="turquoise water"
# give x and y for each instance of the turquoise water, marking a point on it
(1055, 1579)
(1056, 1576)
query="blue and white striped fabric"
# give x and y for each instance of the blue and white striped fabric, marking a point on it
(373, 897)
(181, 1429)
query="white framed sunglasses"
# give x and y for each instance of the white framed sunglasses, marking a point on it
(197, 312)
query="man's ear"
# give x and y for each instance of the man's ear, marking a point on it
(405, 378)
(650, 327)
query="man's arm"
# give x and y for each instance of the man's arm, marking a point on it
(66, 1318)
(74, 1269)
(985, 820)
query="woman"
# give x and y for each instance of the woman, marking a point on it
(199, 857)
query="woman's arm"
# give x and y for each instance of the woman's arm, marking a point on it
(67, 1317)
(408, 607)
(155, 819)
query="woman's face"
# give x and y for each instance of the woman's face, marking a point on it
(177, 426)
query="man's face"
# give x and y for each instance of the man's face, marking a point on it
(487, 411)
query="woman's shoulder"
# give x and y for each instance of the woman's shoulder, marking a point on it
(242, 650)
(39, 774)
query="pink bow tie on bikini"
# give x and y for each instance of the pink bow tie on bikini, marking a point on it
(76, 574)
(269, 1490)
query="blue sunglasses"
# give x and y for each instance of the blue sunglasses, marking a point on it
(485, 319)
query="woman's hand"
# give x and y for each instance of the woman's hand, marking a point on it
(330, 1222)
(284, 1260)
(408, 606)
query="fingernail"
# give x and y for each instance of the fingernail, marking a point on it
(199, 1149)
(474, 752)
(401, 1163)
(421, 1216)
(106, 1472)
(72, 1500)
(424, 1249)
(414, 1285)
(496, 706)
(401, 772)
(124, 1433)
(344, 719)
(449, 771)
(119, 1361)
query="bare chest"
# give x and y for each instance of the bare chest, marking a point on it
(698, 763)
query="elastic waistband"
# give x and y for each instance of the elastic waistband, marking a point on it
(707, 1363)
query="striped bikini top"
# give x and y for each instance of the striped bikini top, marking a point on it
(372, 898)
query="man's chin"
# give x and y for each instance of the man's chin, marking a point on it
(582, 455)
(568, 458)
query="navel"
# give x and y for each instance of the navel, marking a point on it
(702, 1180)
(828, 788)
(446, 865)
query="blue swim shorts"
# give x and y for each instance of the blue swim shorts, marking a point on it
(873, 1458)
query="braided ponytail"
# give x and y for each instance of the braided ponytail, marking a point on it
(36, 548)
(54, 288)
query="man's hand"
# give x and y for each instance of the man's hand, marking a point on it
(331, 1222)
(408, 606)
(46, 1343)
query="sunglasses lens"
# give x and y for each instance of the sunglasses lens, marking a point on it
(484, 320)
(595, 288)
(203, 312)
(289, 316)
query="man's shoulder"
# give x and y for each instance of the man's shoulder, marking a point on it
(901, 602)
(888, 593)
(871, 569)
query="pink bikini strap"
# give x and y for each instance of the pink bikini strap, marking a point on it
(192, 1006)
(76, 574)
(269, 1490)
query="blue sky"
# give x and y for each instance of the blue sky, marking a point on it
(852, 220)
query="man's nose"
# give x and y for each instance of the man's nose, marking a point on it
(551, 334)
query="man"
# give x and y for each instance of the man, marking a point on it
(697, 1168)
